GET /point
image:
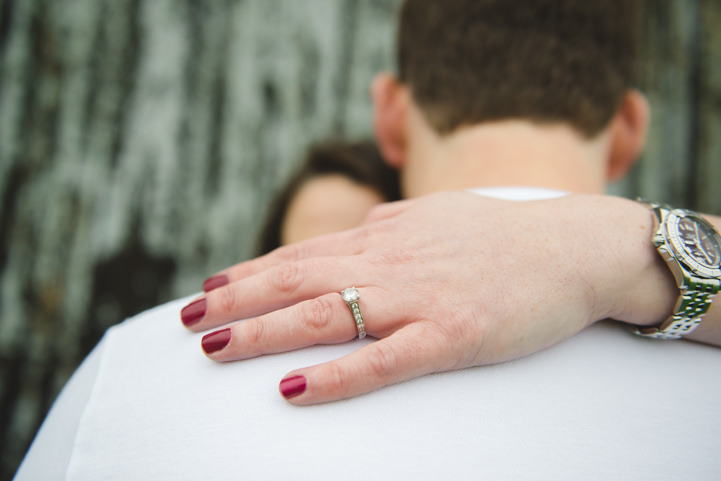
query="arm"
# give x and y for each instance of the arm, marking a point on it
(448, 281)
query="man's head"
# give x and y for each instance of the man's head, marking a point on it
(549, 62)
(472, 61)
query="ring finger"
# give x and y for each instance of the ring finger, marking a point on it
(323, 320)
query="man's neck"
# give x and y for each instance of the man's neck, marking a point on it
(509, 153)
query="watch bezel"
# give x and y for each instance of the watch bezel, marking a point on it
(678, 248)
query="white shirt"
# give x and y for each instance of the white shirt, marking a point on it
(604, 404)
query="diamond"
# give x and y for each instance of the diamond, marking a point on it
(350, 295)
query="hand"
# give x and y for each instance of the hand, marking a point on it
(446, 282)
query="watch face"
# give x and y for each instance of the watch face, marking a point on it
(695, 243)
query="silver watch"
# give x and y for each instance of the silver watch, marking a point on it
(692, 249)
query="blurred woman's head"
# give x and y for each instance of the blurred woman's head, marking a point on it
(337, 184)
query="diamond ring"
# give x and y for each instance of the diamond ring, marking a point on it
(351, 296)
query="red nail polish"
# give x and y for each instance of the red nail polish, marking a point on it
(193, 312)
(214, 282)
(292, 386)
(215, 341)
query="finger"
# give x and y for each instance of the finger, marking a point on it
(410, 352)
(273, 289)
(339, 243)
(388, 210)
(324, 320)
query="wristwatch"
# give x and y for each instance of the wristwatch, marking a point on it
(691, 248)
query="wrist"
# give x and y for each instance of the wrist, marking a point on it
(691, 248)
(642, 290)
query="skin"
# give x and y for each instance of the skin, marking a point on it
(325, 204)
(514, 278)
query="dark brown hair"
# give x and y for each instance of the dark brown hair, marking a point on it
(360, 161)
(471, 61)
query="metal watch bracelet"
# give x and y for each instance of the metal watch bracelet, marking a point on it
(696, 292)
(691, 306)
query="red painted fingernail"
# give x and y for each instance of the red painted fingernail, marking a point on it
(214, 282)
(215, 341)
(193, 312)
(292, 386)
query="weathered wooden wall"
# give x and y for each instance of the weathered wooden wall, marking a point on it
(141, 139)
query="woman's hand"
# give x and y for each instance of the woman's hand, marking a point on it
(446, 282)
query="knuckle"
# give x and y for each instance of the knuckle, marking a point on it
(376, 212)
(289, 253)
(317, 314)
(464, 334)
(455, 329)
(255, 330)
(365, 238)
(287, 278)
(336, 379)
(393, 256)
(382, 360)
(227, 299)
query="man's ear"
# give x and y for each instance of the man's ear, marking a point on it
(389, 111)
(629, 127)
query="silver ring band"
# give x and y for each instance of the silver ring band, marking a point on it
(351, 296)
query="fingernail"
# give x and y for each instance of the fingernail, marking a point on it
(214, 282)
(292, 386)
(215, 341)
(193, 312)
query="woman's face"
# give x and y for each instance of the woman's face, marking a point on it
(325, 204)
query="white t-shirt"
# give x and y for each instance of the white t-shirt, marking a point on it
(604, 404)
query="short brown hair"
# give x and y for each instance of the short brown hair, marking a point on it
(471, 61)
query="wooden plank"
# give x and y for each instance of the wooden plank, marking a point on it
(707, 178)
